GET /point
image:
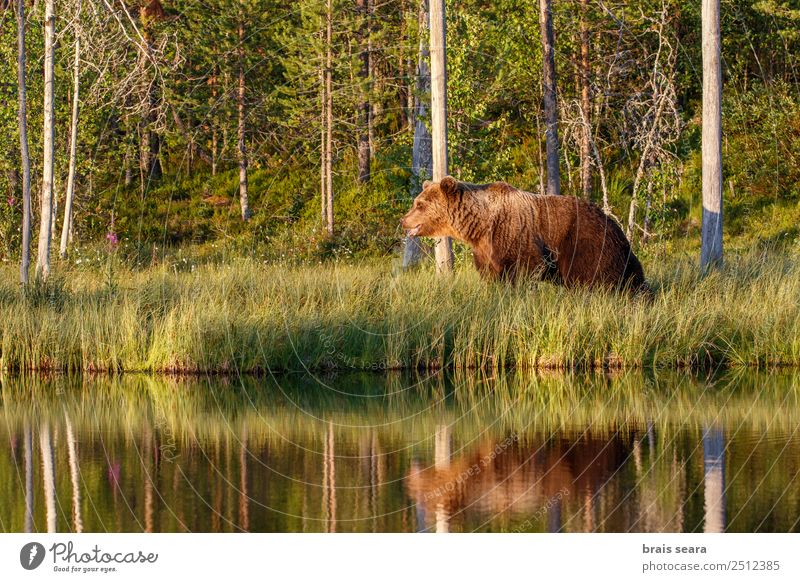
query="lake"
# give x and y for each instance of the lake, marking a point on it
(457, 452)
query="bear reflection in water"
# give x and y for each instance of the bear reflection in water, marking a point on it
(520, 480)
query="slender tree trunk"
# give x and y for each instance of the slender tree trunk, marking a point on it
(364, 108)
(214, 132)
(711, 243)
(66, 230)
(329, 117)
(438, 44)
(586, 105)
(149, 140)
(422, 153)
(323, 158)
(549, 91)
(43, 258)
(23, 145)
(242, 148)
(373, 105)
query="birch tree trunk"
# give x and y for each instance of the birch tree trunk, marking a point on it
(364, 108)
(438, 44)
(422, 153)
(22, 116)
(43, 258)
(549, 93)
(329, 117)
(242, 149)
(586, 105)
(66, 230)
(711, 241)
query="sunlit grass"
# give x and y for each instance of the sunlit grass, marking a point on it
(249, 317)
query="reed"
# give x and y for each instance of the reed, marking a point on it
(247, 317)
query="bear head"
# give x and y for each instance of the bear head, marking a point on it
(429, 213)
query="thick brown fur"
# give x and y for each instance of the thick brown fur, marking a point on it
(511, 232)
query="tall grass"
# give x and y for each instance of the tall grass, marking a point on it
(249, 317)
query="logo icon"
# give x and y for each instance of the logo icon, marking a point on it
(31, 555)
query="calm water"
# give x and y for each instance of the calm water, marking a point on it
(664, 452)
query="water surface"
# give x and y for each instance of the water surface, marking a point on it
(378, 453)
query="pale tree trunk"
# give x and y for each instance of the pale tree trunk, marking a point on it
(422, 153)
(23, 144)
(364, 108)
(438, 44)
(711, 242)
(66, 230)
(45, 231)
(329, 118)
(549, 93)
(586, 105)
(242, 149)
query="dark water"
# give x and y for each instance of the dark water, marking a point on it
(664, 452)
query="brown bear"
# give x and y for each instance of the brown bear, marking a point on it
(560, 238)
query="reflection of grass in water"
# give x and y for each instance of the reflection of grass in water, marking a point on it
(405, 406)
(122, 419)
(250, 317)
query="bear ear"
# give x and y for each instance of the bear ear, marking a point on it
(449, 185)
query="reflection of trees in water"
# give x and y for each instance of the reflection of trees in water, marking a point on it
(162, 456)
(714, 479)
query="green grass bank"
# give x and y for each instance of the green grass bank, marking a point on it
(243, 316)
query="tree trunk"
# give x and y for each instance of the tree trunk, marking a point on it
(323, 175)
(23, 145)
(586, 105)
(373, 105)
(438, 49)
(422, 153)
(549, 93)
(711, 242)
(66, 230)
(329, 117)
(214, 138)
(364, 108)
(43, 258)
(150, 141)
(242, 149)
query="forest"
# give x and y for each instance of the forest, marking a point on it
(256, 156)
